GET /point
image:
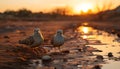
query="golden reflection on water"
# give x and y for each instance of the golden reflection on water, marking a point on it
(84, 36)
(84, 29)
(91, 34)
(85, 24)
(109, 46)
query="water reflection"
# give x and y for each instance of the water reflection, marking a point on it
(105, 38)
(84, 29)
(84, 36)
(85, 24)
(109, 45)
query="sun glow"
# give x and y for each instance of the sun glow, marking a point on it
(84, 36)
(85, 7)
(84, 29)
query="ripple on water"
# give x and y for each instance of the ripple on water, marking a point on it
(110, 46)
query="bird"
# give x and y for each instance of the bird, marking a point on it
(58, 39)
(33, 41)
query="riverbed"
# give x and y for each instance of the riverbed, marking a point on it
(107, 45)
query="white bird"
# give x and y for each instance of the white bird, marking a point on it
(34, 40)
(58, 39)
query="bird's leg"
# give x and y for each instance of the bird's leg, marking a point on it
(54, 49)
(41, 49)
(59, 49)
(45, 51)
(37, 50)
(34, 51)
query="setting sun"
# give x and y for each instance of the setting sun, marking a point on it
(85, 7)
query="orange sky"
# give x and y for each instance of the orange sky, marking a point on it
(46, 5)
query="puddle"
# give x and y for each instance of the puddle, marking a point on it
(102, 41)
(80, 60)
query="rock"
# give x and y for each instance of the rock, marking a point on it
(6, 37)
(65, 59)
(96, 67)
(118, 35)
(66, 51)
(79, 66)
(46, 57)
(110, 54)
(35, 64)
(80, 50)
(98, 51)
(116, 58)
(99, 57)
(46, 60)
(118, 52)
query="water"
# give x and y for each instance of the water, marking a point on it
(97, 39)
(107, 45)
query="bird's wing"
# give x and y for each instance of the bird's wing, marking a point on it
(27, 41)
(31, 40)
(38, 40)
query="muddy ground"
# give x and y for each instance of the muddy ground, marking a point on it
(14, 55)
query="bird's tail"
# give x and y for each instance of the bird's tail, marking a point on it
(22, 41)
(27, 41)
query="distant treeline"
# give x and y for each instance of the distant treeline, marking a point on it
(26, 14)
(57, 14)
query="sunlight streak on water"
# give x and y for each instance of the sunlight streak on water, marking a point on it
(84, 30)
(110, 45)
(84, 36)
(107, 40)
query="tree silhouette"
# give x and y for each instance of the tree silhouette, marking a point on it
(61, 11)
(24, 13)
(9, 12)
(104, 6)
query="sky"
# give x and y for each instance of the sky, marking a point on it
(47, 5)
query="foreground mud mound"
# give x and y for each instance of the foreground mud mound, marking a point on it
(16, 57)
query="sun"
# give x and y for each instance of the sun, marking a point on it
(84, 7)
